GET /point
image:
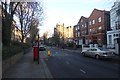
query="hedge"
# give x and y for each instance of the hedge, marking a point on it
(14, 48)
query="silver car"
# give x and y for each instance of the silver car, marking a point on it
(98, 53)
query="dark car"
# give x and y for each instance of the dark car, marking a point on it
(42, 48)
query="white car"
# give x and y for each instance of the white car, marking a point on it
(42, 48)
(98, 53)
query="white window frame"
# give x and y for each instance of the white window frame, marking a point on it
(85, 25)
(82, 25)
(76, 28)
(76, 35)
(100, 28)
(90, 23)
(93, 21)
(110, 39)
(99, 19)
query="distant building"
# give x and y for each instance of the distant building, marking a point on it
(114, 33)
(63, 34)
(98, 24)
(80, 31)
(76, 34)
(59, 34)
(68, 34)
(16, 33)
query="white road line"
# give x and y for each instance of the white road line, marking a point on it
(82, 71)
(67, 62)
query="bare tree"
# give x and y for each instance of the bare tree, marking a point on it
(26, 12)
(34, 30)
(7, 18)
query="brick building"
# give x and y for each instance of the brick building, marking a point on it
(98, 24)
(80, 31)
(76, 34)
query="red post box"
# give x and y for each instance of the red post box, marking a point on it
(36, 52)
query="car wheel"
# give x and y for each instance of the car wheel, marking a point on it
(83, 54)
(97, 56)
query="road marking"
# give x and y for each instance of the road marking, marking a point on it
(66, 54)
(67, 62)
(82, 71)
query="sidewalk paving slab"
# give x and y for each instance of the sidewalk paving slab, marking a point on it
(28, 68)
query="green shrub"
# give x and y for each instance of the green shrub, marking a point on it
(16, 47)
(10, 51)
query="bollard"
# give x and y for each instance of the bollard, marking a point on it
(49, 53)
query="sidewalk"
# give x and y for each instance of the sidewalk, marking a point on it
(27, 68)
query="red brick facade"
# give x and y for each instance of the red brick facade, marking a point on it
(81, 30)
(93, 29)
(97, 26)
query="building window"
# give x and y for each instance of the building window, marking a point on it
(82, 25)
(78, 27)
(82, 32)
(90, 23)
(99, 28)
(99, 19)
(90, 30)
(85, 25)
(81, 20)
(93, 30)
(78, 34)
(116, 35)
(110, 39)
(93, 21)
(85, 32)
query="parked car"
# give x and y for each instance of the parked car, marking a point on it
(98, 53)
(42, 48)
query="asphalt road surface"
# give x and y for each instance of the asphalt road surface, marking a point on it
(67, 64)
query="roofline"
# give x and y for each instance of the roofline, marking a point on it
(97, 10)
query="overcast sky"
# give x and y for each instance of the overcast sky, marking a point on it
(70, 11)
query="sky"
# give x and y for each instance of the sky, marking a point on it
(69, 11)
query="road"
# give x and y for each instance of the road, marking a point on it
(66, 64)
(62, 64)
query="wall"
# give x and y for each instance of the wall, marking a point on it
(6, 64)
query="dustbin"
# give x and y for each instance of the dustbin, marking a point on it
(36, 49)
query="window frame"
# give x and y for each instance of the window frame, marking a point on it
(99, 19)
(93, 21)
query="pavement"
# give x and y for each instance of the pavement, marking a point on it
(28, 68)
